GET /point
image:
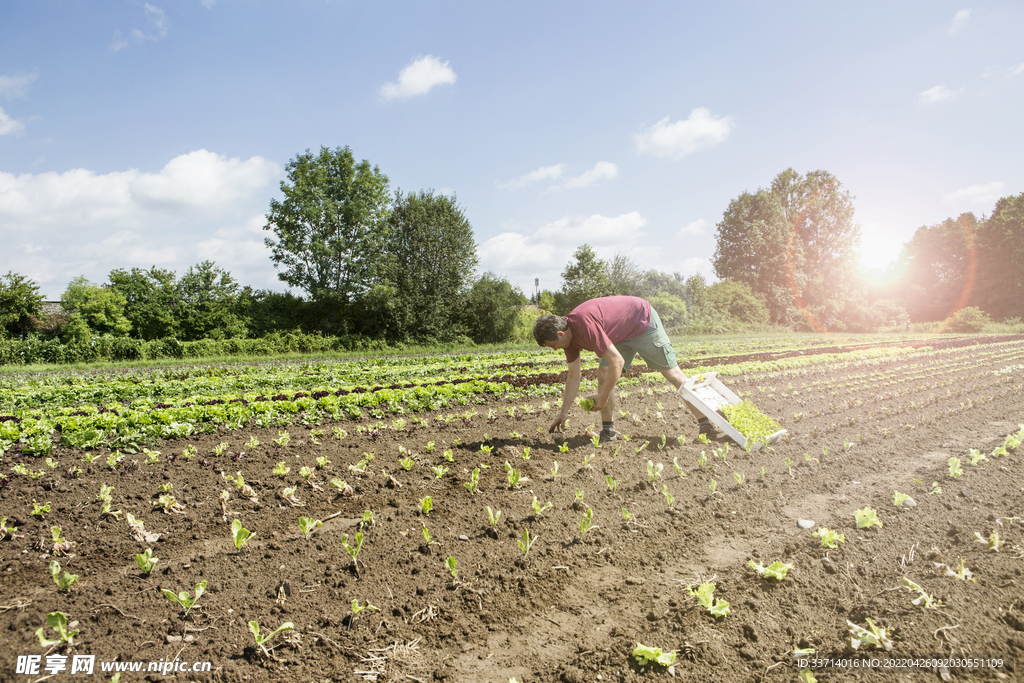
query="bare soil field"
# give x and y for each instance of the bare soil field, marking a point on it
(579, 602)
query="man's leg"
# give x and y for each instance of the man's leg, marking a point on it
(608, 411)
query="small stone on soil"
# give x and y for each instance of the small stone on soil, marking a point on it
(805, 523)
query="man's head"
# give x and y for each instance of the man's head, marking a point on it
(552, 331)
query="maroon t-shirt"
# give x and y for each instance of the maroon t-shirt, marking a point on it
(600, 323)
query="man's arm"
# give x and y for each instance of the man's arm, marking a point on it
(572, 385)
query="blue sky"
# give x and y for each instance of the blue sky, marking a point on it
(156, 133)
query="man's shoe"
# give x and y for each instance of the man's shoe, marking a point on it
(607, 437)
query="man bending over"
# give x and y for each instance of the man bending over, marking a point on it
(616, 328)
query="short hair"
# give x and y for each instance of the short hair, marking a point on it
(547, 328)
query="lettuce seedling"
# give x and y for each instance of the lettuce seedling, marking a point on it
(261, 640)
(579, 496)
(282, 439)
(59, 623)
(322, 462)
(554, 470)
(806, 675)
(703, 438)
(705, 595)
(588, 404)
(239, 535)
(829, 538)
(669, 498)
(183, 598)
(138, 528)
(367, 519)
(280, 470)
(961, 572)
(626, 514)
(307, 525)
(613, 483)
(936, 489)
(60, 545)
(494, 515)
(923, 599)
(641, 447)
(776, 570)
(990, 543)
(5, 530)
(342, 486)
(564, 448)
(219, 449)
(678, 468)
(146, 561)
(899, 498)
(739, 477)
(189, 452)
(587, 459)
(975, 456)
(168, 504)
(439, 471)
(63, 582)
(654, 471)
(474, 480)
(712, 486)
(451, 563)
(526, 452)
(722, 452)
(539, 509)
(595, 440)
(954, 467)
(586, 522)
(866, 518)
(644, 655)
(353, 550)
(38, 510)
(426, 504)
(514, 476)
(288, 494)
(448, 456)
(407, 463)
(526, 543)
(876, 638)
(252, 443)
(486, 449)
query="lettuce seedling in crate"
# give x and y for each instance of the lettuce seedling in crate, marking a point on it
(63, 582)
(539, 509)
(263, 639)
(58, 621)
(646, 655)
(829, 538)
(776, 570)
(705, 595)
(183, 598)
(146, 561)
(307, 525)
(239, 535)
(866, 518)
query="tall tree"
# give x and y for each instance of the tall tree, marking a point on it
(584, 278)
(429, 258)
(625, 275)
(935, 268)
(492, 309)
(329, 227)
(208, 296)
(94, 309)
(1000, 283)
(20, 301)
(151, 298)
(793, 243)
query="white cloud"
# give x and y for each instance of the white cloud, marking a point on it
(939, 93)
(8, 125)
(200, 205)
(14, 86)
(976, 197)
(601, 170)
(541, 173)
(521, 256)
(1019, 69)
(700, 131)
(418, 78)
(959, 20)
(158, 20)
(697, 227)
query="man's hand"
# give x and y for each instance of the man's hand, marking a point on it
(598, 402)
(558, 424)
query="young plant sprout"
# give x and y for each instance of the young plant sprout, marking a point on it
(183, 599)
(60, 545)
(280, 470)
(923, 599)
(579, 496)
(776, 570)
(669, 498)
(38, 510)
(954, 467)
(616, 451)
(866, 518)
(626, 514)
(703, 438)
(353, 550)
(641, 447)
(63, 582)
(165, 488)
(722, 452)
(645, 655)
(342, 486)
(739, 477)
(152, 457)
(449, 456)
(406, 463)
(654, 471)
(564, 448)
(263, 639)
(877, 638)
(307, 525)
(367, 519)
(439, 471)
(539, 509)
(427, 537)
(661, 446)
(306, 472)
(59, 623)
(486, 449)
(322, 462)
(282, 439)
(586, 522)
(898, 499)
(990, 543)
(587, 459)
(426, 505)
(702, 459)
(474, 480)
(5, 530)
(219, 449)
(494, 515)
(829, 538)
(252, 443)
(189, 452)
(146, 561)
(513, 476)
(681, 439)
(961, 572)
(678, 468)
(705, 595)
(526, 452)
(239, 535)
(613, 483)
(936, 490)
(595, 440)
(554, 470)
(451, 563)
(712, 486)
(525, 543)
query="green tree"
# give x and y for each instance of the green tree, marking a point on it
(671, 309)
(208, 296)
(625, 276)
(94, 310)
(656, 282)
(20, 301)
(151, 297)
(738, 300)
(793, 243)
(330, 224)
(492, 309)
(1000, 282)
(584, 278)
(429, 258)
(935, 268)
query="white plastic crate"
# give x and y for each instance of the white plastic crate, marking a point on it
(706, 394)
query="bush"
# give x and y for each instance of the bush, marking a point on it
(969, 319)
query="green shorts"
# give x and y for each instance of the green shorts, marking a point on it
(653, 346)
